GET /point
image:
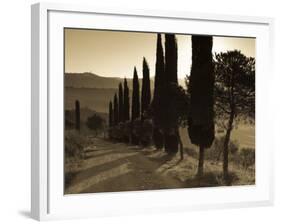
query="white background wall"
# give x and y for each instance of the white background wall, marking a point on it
(15, 110)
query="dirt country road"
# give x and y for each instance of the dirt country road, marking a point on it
(111, 167)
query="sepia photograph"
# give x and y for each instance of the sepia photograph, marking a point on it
(153, 111)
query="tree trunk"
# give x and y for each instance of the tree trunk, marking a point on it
(171, 141)
(180, 143)
(201, 161)
(225, 146)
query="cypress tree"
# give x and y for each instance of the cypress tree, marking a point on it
(110, 116)
(126, 112)
(171, 78)
(121, 108)
(115, 110)
(145, 93)
(201, 88)
(135, 109)
(158, 137)
(77, 115)
(171, 59)
(136, 96)
(126, 102)
(110, 120)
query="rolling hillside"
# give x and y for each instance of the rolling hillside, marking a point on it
(90, 80)
(96, 99)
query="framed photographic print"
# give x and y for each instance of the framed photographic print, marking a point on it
(148, 111)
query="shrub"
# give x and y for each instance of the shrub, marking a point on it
(146, 132)
(74, 153)
(127, 131)
(158, 138)
(74, 144)
(247, 157)
(121, 131)
(115, 132)
(136, 131)
(95, 123)
(110, 132)
(217, 148)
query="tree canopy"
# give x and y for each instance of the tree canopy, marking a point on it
(95, 123)
(234, 93)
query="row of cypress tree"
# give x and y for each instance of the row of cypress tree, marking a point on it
(161, 113)
(171, 104)
(123, 127)
(119, 109)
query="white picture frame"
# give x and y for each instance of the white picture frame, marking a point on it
(47, 198)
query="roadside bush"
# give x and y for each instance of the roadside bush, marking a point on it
(110, 132)
(74, 144)
(136, 131)
(158, 138)
(247, 157)
(146, 132)
(127, 131)
(217, 148)
(95, 123)
(121, 132)
(115, 132)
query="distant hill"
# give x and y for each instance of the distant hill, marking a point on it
(93, 91)
(90, 80)
(96, 99)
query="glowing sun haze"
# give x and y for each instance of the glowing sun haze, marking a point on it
(114, 53)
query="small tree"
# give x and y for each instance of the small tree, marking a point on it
(115, 111)
(201, 88)
(234, 93)
(110, 120)
(121, 106)
(77, 115)
(110, 115)
(126, 101)
(126, 112)
(95, 123)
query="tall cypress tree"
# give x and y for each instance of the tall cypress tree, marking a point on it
(171, 59)
(126, 102)
(171, 78)
(158, 137)
(136, 96)
(145, 93)
(201, 88)
(110, 115)
(115, 110)
(135, 109)
(121, 108)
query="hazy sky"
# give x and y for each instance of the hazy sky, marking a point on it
(114, 54)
